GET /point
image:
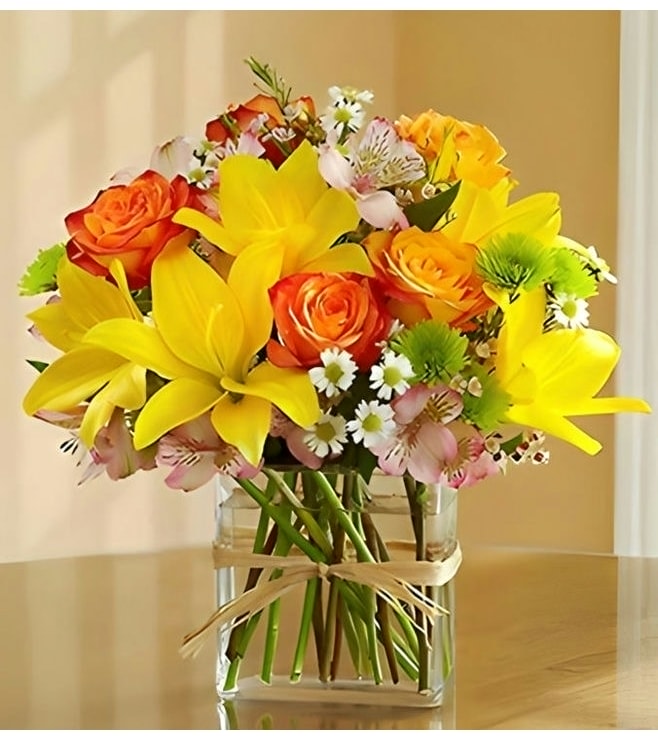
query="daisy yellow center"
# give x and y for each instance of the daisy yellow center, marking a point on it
(392, 376)
(333, 372)
(371, 423)
(325, 432)
(570, 309)
(342, 115)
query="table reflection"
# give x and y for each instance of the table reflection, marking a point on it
(544, 641)
(256, 715)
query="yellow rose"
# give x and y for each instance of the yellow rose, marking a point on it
(426, 275)
(455, 150)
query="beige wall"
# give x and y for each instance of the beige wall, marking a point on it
(87, 93)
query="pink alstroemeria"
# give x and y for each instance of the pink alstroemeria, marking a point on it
(478, 463)
(382, 159)
(282, 426)
(113, 451)
(197, 453)
(422, 446)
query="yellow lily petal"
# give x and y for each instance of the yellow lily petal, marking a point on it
(538, 417)
(537, 215)
(187, 295)
(90, 299)
(54, 323)
(71, 379)
(214, 232)
(523, 324)
(300, 171)
(118, 272)
(143, 345)
(243, 424)
(334, 214)
(254, 198)
(289, 389)
(482, 213)
(86, 301)
(342, 258)
(612, 405)
(126, 390)
(250, 286)
(476, 209)
(571, 364)
(181, 400)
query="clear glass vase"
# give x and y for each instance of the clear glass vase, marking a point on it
(304, 619)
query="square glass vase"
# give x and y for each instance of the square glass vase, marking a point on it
(335, 590)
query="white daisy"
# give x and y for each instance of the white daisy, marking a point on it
(373, 423)
(336, 374)
(569, 311)
(391, 375)
(346, 111)
(326, 435)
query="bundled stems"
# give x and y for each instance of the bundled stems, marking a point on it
(322, 524)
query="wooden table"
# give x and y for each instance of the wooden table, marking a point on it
(544, 641)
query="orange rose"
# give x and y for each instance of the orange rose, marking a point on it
(426, 275)
(461, 150)
(131, 223)
(317, 311)
(238, 119)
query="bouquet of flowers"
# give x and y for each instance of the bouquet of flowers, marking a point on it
(313, 297)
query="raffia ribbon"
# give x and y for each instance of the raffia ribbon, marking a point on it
(392, 580)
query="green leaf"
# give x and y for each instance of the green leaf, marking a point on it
(41, 274)
(37, 365)
(426, 214)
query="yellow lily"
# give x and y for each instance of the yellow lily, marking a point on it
(86, 300)
(554, 375)
(90, 305)
(292, 208)
(216, 328)
(480, 214)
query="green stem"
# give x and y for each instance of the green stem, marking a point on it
(271, 640)
(282, 548)
(418, 523)
(277, 514)
(382, 608)
(237, 633)
(314, 530)
(318, 623)
(329, 633)
(245, 636)
(351, 637)
(338, 640)
(371, 629)
(331, 497)
(304, 629)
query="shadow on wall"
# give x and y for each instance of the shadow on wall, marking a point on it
(89, 93)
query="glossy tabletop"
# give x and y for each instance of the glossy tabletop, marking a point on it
(544, 641)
